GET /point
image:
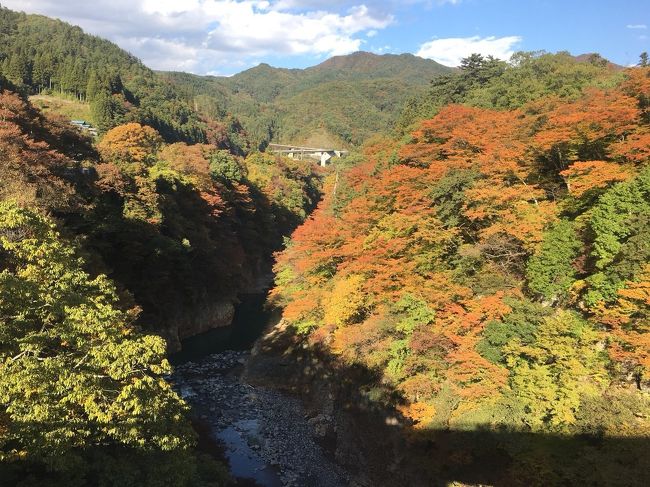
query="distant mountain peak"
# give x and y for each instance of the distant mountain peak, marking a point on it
(590, 57)
(367, 60)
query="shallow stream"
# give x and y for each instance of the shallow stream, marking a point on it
(267, 436)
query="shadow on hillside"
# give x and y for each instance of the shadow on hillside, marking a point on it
(380, 448)
(177, 267)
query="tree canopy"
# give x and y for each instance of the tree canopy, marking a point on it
(490, 268)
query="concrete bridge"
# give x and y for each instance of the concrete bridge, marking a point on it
(297, 152)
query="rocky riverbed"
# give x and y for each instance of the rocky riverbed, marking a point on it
(267, 435)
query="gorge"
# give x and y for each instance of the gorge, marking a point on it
(463, 299)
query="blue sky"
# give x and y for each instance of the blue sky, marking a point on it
(227, 36)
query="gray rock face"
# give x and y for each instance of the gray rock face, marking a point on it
(198, 320)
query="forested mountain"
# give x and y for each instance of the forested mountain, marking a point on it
(466, 297)
(490, 273)
(366, 65)
(492, 83)
(342, 101)
(104, 250)
(43, 55)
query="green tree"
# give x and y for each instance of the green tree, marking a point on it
(74, 373)
(19, 69)
(479, 70)
(550, 375)
(550, 271)
(619, 224)
(225, 168)
(107, 111)
(520, 324)
(611, 216)
(448, 195)
(40, 74)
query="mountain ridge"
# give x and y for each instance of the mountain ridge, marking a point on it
(292, 104)
(342, 61)
(343, 100)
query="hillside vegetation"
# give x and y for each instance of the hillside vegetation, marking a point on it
(491, 271)
(349, 98)
(70, 109)
(103, 250)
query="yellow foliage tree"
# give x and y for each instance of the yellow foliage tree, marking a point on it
(551, 375)
(130, 143)
(347, 301)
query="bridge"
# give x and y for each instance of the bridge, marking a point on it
(297, 152)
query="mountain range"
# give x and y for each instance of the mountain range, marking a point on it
(341, 101)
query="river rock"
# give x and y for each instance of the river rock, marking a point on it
(320, 425)
(272, 426)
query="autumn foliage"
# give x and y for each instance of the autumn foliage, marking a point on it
(493, 267)
(36, 155)
(104, 255)
(132, 142)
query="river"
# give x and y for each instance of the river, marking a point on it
(267, 437)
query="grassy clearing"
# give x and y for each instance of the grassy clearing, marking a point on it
(67, 107)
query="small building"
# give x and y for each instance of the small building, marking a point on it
(84, 126)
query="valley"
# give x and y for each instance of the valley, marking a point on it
(340, 102)
(372, 272)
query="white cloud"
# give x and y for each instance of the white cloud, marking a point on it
(451, 50)
(246, 29)
(375, 4)
(382, 49)
(215, 35)
(636, 26)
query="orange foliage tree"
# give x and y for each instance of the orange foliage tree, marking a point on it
(583, 176)
(380, 237)
(130, 143)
